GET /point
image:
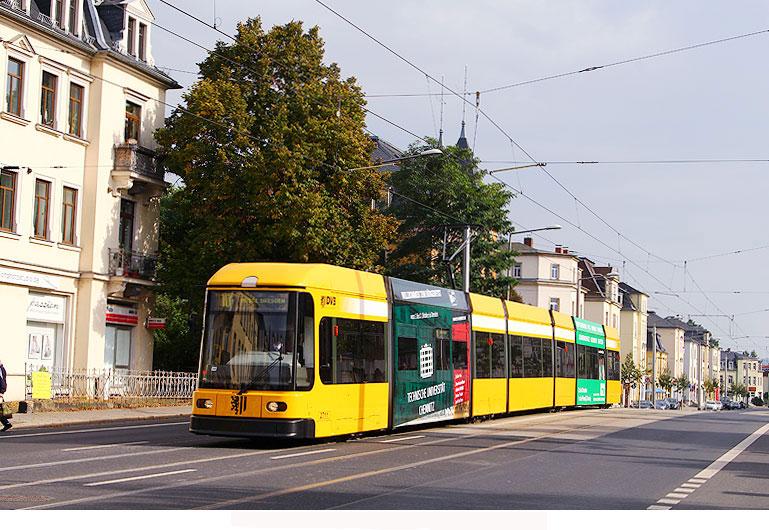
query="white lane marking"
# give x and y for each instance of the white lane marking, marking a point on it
(401, 439)
(132, 470)
(710, 471)
(658, 507)
(690, 485)
(91, 459)
(678, 495)
(86, 448)
(731, 454)
(684, 490)
(104, 429)
(301, 454)
(141, 477)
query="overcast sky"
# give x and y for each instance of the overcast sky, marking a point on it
(645, 219)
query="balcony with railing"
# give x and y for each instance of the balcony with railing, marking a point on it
(138, 171)
(123, 263)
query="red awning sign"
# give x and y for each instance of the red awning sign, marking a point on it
(122, 315)
(156, 323)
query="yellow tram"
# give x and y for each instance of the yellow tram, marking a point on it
(313, 350)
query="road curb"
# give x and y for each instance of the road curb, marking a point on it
(94, 421)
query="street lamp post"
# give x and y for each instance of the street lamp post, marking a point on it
(428, 152)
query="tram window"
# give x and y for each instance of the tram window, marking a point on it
(516, 355)
(408, 352)
(459, 354)
(305, 347)
(532, 354)
(581, 361)
(497, 355)
(547, 357)
(482, 354)
(352, 351)
(564, 354)
(443, 349)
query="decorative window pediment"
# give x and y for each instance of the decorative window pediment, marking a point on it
(21, 44)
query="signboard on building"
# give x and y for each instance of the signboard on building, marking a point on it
(28, 278)
(44, 308)
(156, 323)
(117, 314)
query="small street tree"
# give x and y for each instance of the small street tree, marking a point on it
(681, 383)
(710, 386)
(631, 375)
(739, 390)
(451, 184)
(665, 380)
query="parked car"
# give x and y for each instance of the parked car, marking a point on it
(662, 404)
(673, 403)
(644, 404)
(731, 404)
(713, 405)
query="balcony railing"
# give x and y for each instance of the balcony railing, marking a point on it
(132, 264)
(137, 159)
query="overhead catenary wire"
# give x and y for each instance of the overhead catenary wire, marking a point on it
(512, 141)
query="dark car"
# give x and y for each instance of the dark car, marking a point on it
(644, 404)
(673, 403)
(662, 404)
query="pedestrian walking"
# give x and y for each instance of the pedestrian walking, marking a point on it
(3, 388)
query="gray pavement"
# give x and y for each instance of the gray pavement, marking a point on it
(85, 417)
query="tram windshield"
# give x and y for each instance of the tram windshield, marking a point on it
(258, 340)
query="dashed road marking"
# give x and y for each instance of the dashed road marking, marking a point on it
(709, 472)
(301, 454)
(140, 477)
(393, 440)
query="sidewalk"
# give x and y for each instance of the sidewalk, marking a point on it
(86, 417)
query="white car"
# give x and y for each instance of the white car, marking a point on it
(713, 405)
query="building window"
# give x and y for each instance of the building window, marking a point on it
(131, 33)
(517, 270)
(58, 15)
(555, 304)
(142, 42)
(68, 208)
(555, 272)
(126, 233)
(14, 86)
(72, 26)
(42, 198)
(614, 321)
(75, 109)
(48, 99)
(132, 121)
(7, 200)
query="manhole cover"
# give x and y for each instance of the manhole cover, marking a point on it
(24, 498)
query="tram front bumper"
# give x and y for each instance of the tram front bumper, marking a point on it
(252, 427)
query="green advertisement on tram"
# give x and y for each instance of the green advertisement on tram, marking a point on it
(591, 363)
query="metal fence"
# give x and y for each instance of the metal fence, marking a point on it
(86, 385)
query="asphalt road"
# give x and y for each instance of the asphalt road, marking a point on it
(612, 459)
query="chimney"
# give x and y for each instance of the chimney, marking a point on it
(528, 241)
(565, 250)
(558, 249)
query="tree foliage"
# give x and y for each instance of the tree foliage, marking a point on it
(681, 383)
(449, 184)
(263, 145)
(665, 379)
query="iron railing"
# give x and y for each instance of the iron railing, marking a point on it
(111, 385)
(132, 264)
(138, 159)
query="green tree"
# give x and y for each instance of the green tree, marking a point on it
(631, 376)
(665, 380)
(739, 390)
(177, 344)
(681, 383)
(263, 145)
(450, 184)
(710, 386)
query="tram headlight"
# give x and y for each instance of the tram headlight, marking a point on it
(276, 406)
(205, 404)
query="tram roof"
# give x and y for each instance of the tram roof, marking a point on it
(307, 275)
